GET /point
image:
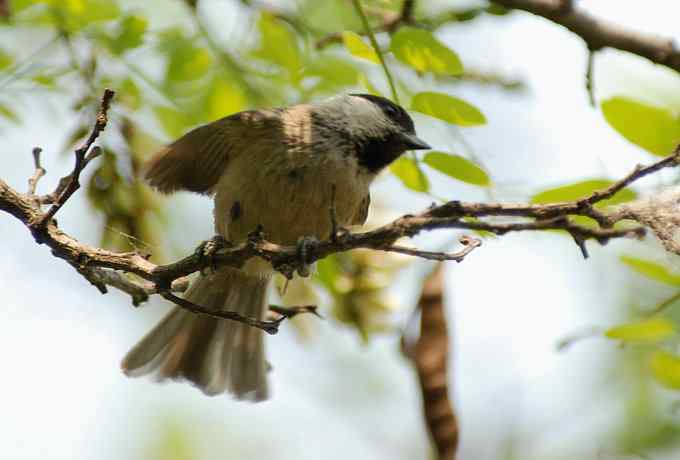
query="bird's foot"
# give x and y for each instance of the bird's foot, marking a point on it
(306, 246)
(338, 233)
(208, 249)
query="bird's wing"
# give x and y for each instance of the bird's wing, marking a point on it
(362, 213)
(197, 160)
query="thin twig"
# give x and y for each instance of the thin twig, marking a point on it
(80, 159)
(291, 312)
(391, 23)
(590, 83)
(371, 36)
(269, 326)
(97, 264)
(663, 305)
(469, 243)
(39, 171)
(226, 60)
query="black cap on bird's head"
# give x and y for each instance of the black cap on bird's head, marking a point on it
(377, 129)
(395, 136)
(400, 118)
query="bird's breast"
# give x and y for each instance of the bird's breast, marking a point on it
(288, 195)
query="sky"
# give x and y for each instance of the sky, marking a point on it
(510, 301)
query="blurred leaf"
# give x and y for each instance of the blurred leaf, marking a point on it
(172, 443)
(408, 172)
(665, 368)
(20, 5)
(333, 73)
(128, 35)
(186, 61)
(74, 138)
(327, 16)
(224, 99)
(73, 15)
(370, 87)
(448, 108)
(45, 80)
(655, 129)
(356, 46)
(457, 167)
(327, 271)
(278, 44)
(582, 189)
(129, 94)
(174, 122)
(497, 10)
(651, 330)
(652, 270)
(422, 51)
(8, 113)
(6, 59)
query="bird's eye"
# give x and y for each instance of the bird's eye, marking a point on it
(391, 111)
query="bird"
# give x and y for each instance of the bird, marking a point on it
(278, 170)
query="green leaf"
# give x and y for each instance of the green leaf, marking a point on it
(327, 271)
(665, 368)
(128, 35)
(652, 270)
(278, 44)
(74, 15)
(8, 113)
(422, 51)
(655, 129)
(365, 82)
(457, 167)
(333, 73)
(410, 174)
(6, 59)
(356, 46)
(224, 99)
(448, 108)
(130, 94)
(186, 60)
(497, 10)
(173, 121)
(651, 330)
(582, 189)
(45, 80)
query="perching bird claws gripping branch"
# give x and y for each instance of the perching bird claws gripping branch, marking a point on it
(133, 272)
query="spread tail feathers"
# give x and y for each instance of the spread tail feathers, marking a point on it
(215, 355)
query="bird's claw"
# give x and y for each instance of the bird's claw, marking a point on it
(208, 249)
(305, 248)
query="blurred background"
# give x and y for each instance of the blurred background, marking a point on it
(538, 370)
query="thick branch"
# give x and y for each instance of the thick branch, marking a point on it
(451, 215)
(101, 267)
(598, 33)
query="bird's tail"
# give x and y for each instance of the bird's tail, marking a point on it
(216, 355)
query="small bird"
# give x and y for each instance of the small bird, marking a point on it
(279, 170)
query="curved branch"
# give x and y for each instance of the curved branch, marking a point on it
(598, 33)
(102, 267)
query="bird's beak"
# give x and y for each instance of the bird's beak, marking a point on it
(413, 142)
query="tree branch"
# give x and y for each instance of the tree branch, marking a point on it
(430, 355)
(133, 272)
(390, 23)
(81, 160)
(598, 33)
